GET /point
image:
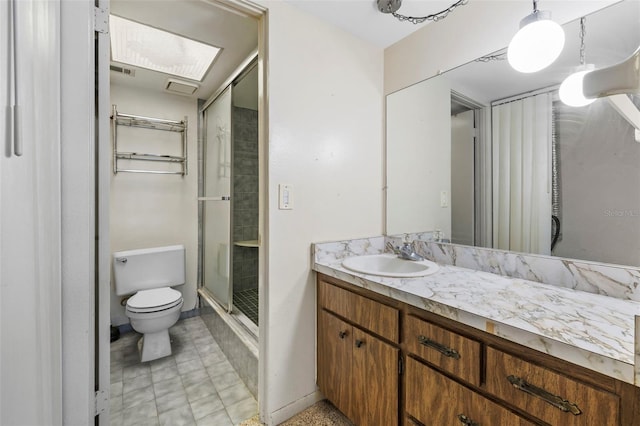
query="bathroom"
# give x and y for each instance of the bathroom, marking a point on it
(323, 124)
(204, 199)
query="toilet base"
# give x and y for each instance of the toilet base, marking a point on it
(154, 345)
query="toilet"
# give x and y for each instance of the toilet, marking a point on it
(148, 275)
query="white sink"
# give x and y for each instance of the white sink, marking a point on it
(389, 265)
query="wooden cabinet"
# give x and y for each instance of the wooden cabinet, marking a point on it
(357, 371)
(453, 375)
(433, 399)
(548, 395)
(450, 351)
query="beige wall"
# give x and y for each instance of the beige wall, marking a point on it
(325, 138)
(471, 31)
(148, 210)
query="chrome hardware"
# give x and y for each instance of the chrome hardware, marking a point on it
(556, 401)
(121, 259)
(408, 252)
(359, 343)
(342, 334)
(466, 420)
(451, 353)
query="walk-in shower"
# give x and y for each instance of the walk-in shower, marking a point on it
(229, 245)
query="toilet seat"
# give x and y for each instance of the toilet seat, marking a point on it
(155, 300)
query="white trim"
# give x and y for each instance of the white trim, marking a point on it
(288, 411)
(78, 211)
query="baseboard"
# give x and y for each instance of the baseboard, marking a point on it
(290, 410)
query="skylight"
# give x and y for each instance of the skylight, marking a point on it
(146, 47)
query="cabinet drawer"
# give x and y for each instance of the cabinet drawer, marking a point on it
(435, 400)
(374, 316)
(547, 395)
(452, 352)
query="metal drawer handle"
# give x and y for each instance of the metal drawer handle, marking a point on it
(451, 353)
(466, 420)
(342, 334)
(359, 343)
(121, 259)
(556, 401)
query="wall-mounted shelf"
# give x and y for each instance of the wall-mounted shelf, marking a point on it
(120, 119)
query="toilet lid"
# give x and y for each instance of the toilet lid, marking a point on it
(154, 300)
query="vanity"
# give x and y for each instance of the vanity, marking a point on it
(467, 347)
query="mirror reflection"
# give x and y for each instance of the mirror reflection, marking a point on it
(492, 157)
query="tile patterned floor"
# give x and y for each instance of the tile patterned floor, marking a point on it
(195, 386)
(247, 302)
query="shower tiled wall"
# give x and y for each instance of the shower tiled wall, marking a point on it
(245, 197)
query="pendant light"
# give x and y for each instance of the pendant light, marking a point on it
(571, 92)
(537, 44)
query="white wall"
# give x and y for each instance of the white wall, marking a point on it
(325, 138)
(150, 210)
(471, 31)
(419, 159)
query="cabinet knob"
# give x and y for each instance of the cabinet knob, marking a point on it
(466, 420)
(359, 343)
(342, 334)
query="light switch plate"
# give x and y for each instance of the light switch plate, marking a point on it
(285, 196)
(444, 199)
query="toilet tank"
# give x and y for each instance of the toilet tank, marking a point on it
(145, 269)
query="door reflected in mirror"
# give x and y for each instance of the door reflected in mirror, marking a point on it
(492, 158)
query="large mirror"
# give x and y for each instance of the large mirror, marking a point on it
(491, 157)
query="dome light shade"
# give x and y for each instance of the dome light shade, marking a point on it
(537, 44)
(571, 90)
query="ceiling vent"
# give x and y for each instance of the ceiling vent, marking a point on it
(122, 70)
(181, 87)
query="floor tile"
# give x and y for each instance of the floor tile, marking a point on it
(205, 406)
(181, 389)
(136, 383)
(242, 410)
(136, 370)
(200, 390)
(234, 394)
(189, 366)
(137, 397)
(168, 372)
(219, 418)
(168, 386)
(171, 401)
(116, 389)
(177, 417)
(194, 378)
(116, 419)
(226, 380)
(143, 414)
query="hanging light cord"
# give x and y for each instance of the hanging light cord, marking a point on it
(583, 32)
(434, 17)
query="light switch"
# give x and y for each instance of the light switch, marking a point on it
(285, 196)
(444, 199)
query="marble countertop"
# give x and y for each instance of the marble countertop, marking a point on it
(591, 330)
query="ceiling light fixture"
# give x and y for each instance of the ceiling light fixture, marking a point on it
(571, 92)
(392, 6)
(537, 44)
(147, 47)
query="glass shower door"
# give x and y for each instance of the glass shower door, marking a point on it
(216, 227)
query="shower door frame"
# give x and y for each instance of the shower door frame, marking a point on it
(203, 200)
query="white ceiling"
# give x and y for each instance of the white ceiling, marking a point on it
(362, 18)
(197, 20)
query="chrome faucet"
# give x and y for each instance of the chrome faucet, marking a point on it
(408, 252)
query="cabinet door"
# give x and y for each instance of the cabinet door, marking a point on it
(335, 339)
(436, 400)
(374, 372)
(548, 395)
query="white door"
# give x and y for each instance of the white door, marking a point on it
(30, 215)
